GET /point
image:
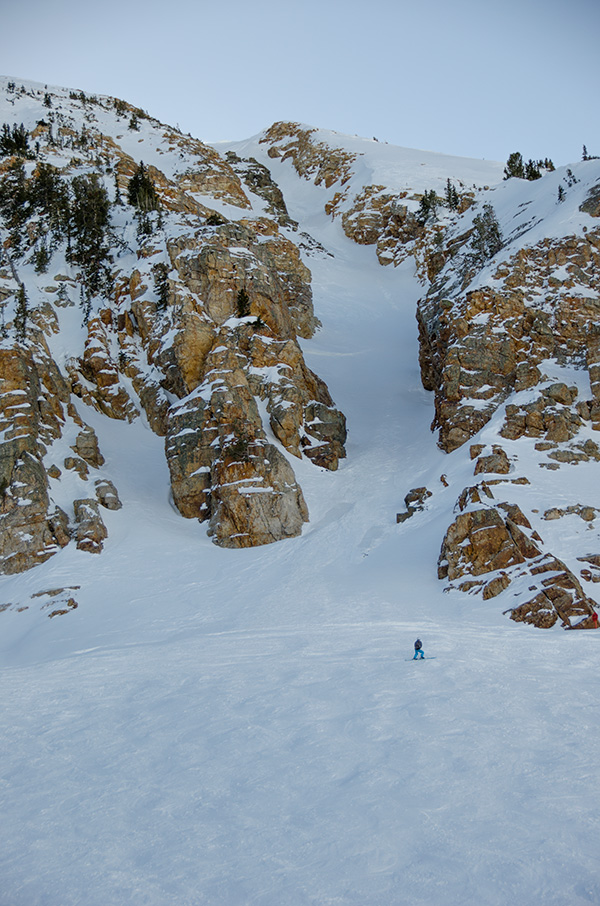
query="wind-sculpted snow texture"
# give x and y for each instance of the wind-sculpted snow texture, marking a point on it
(187, 723)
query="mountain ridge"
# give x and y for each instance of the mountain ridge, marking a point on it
(169, 338)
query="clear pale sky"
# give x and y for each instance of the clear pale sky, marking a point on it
(476, 78)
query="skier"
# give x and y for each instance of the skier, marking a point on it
(418, 649)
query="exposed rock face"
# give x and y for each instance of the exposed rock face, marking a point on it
(591, 205)
(497, 461)
(107, 494)
(95, 375)
(260, 182)
(220, 364)
(32, 528)
(414, 503)
(193, 323)
(90, 531)
(35, 411)
(480, 541)
(479, 346)
(86, 444)
(550, 416)
(311, 159)
(560, 597)
(222, 466)
(487, 548)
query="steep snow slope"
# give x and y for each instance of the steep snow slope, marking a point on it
(220, 727)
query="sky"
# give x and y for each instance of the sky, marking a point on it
(465, 77)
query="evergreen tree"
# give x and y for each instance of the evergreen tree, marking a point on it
(141, 192)
(90, 221)
(41, 258)
(514, 166)
(14, 140)
(487, 236)
(15, 204)
(561, 193)
(49, 196)
(585, 155)
(428, 206)
(21, 312)
(118, 199)
(160, 275)
(532, 170)
(571, 178)
(63, 295)
(452, 199)
(85, 302)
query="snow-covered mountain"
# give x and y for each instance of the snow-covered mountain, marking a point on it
(249, 343)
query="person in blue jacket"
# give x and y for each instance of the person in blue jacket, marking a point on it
(418, 649)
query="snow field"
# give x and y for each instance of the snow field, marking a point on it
(312, 765)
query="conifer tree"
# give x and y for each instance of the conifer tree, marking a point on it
(41, 258)
(15, 205)
(14, 140)
(141, 192)
(532, 170)
(487, 236)
(63, 295)
(160, 275)
(21, 312)
(90, 221)
(428, 205)
(118, 199)
(452, 199)
(514, 166)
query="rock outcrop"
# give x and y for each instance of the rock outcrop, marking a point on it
(479, 346)
(35, 414)
(488, 548)
(193, 302)
(32, 401)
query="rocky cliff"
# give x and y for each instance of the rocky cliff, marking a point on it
(511, 307)
(510, 310)
(146, 276)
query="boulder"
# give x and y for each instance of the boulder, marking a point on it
(414, 503)
(90, 530)
(86, 445)
(107, 494)
(497, 462)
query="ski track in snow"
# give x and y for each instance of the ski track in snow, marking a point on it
(219, 727)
